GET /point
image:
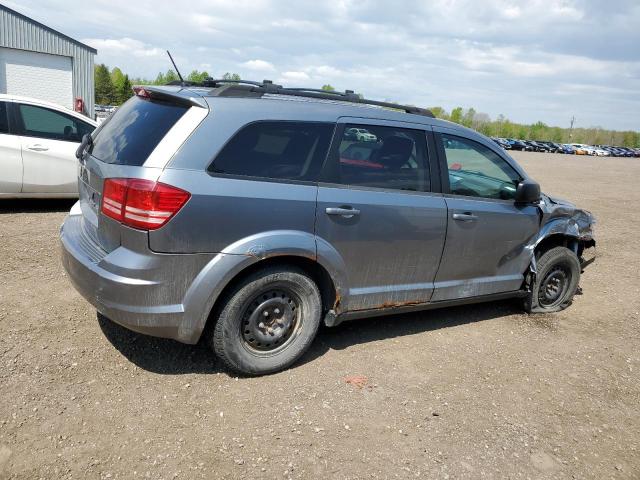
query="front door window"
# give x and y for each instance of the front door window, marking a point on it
(477, 171)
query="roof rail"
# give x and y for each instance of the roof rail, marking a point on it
(247, 88)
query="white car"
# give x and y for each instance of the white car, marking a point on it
(601, 152)
(361, 135)
(591, 150)
(38, 141)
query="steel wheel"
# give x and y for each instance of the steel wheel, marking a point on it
(553, 287)
(558, 276)
(267, 321)
(271, 321)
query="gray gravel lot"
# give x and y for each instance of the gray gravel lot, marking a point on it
(481, 391)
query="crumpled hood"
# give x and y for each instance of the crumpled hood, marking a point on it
(558, 201)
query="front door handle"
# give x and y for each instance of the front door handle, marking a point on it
(36, 147)
(343, 211)
(465, 217)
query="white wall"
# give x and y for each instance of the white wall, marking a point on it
(38, 75)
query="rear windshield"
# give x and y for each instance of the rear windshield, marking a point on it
(131, 134)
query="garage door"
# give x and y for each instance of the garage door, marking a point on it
(37, 75)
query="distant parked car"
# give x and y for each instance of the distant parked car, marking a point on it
(553, 147)
(38, 141)
(519, 145)
(561, 148)
(628, 152)
(502, 142)
(617, 151)
(601, 152)
(538, 146)
(568, 149)
(582, 149)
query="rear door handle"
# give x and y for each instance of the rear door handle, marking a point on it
(36, 147)
(344, 211)
(465, 217)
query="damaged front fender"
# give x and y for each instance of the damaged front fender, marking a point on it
(560, 217)
(561, 224)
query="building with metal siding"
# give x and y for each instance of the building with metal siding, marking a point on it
(38, 61)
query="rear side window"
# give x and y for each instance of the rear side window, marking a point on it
(130, 135)
(4, 118)
(278, 150)
(43, 122)
(384, 157)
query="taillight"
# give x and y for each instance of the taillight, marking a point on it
(139, 203)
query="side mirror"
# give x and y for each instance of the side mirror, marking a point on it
(528, 191)
(86, 141)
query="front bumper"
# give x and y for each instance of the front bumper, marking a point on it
(588, 257)
(142, 291)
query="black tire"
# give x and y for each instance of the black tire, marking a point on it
(267, 321)
(556, 282)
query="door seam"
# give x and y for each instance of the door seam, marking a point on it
(444, 245)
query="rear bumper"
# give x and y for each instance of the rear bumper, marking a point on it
(143, 292)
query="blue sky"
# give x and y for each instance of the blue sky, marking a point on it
(531, 60)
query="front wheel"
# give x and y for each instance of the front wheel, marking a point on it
(556, 281)
(267, 321)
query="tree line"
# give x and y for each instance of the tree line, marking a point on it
(113, 87)
(503, 127)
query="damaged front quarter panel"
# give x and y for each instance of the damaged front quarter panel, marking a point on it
(562, 223)
(563, 218)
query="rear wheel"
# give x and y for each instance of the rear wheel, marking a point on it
(556, 281)
(267, 321)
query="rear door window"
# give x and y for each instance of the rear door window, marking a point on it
(277, 150)
(44, 122)
(383, 157)
(131, 133)
(4, 118)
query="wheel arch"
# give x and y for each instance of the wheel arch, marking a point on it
(329, 293)
(560, 232)
(565, 232)
(281, 247)
(557, 240)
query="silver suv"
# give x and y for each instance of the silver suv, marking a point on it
(247, 214)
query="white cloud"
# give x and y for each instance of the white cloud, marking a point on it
(295, 76)
(519, 62)
(327, 71)
(512, 12)
(123, 46)
(259, 65)
(204, 22)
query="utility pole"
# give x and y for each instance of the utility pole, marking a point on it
(573, 119)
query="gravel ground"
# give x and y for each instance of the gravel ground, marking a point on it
(470, 392)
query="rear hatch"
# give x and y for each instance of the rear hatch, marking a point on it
(136, 142)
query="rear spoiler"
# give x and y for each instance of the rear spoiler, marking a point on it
(180, 97)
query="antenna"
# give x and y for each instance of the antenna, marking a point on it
(177, 71)
(573, 119)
